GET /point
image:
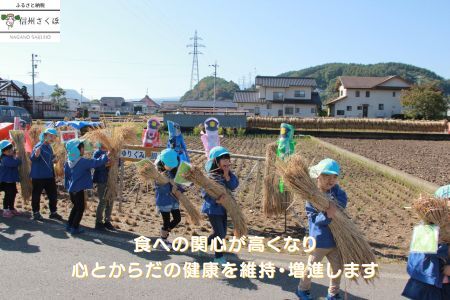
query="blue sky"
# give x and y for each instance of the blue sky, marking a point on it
(123, 47)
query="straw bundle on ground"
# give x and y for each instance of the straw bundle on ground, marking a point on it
(113, 139)
(148, 173)
(274, 202)
(26, 188)
(432, 210)
(350, 242)
(216, 190)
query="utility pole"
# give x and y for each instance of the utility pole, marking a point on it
(34, 62)
(194, 71)
(81, 99)
(215, 65)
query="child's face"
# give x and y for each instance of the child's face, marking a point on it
(81, 151)
(50, 138)
(224, 164)
(9, 152)
(326, 182)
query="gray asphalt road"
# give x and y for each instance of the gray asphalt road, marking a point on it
(36, 261)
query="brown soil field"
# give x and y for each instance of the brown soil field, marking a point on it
(429, 160)
(376, 203)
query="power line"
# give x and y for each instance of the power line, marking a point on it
(215, 65)
(195, 76)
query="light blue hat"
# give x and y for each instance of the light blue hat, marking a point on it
(443, 192)
(169, 157)
(326, 166)
(73, 153)
(215, 152)
(4, 144)
(47, 131)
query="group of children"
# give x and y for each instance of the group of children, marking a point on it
(429, 272)
(77, 179)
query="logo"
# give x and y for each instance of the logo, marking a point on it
(10, 18)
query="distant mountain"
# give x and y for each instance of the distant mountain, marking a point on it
(42, 88)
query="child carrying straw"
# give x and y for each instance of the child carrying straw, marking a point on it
(100, 178)
(77, 178)
(167, 163)
(430, 273)
(218, 168)
(43, 174)
(9, 175)
(326, 172)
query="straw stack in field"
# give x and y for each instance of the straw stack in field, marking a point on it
(215, 190)
(432, 210)
(113, 139)
(350, 242)
(274, 202)
(349, 124)
(18, 136)
(147, 173)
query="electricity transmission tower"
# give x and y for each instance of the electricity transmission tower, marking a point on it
(195, 52)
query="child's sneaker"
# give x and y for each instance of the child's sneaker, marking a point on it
(303, 295)
(37, 217)
(109, 226)
(55, 216)
(7, 214)
(75, 231)
(15, 212)
(167, 242)
(334, 297)
(221, 261)
(99, 226)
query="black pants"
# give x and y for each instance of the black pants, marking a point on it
(49, 185)
(10, 190)
(77, 210)
(169, 225)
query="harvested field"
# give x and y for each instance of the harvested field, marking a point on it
(376, 202)
(429, 160)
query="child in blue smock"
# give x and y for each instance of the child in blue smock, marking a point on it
(9, 175)
(77, 178)
(429, 273)
(218, 168)
(167, 163)
(326, 173)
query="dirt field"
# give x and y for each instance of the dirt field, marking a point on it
(376, 203)
(429, 160)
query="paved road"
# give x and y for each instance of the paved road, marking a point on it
(36, 262)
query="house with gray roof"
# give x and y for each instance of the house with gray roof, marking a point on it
(280, 96)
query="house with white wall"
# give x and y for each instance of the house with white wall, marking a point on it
(368, 97)
(280, 96)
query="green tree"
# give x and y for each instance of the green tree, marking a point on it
(425, 101)
(58, 97)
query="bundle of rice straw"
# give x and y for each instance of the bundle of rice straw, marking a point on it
(59, 152)
(148, 173)
(26, 187)
(113, 139)
(34, 132)
(350, 242)
(432, 210)
(274, 202)
(216, 190)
